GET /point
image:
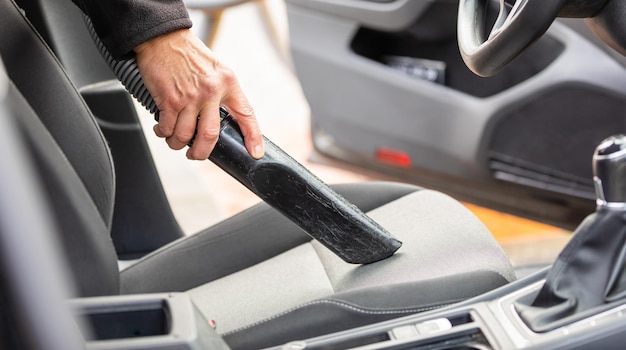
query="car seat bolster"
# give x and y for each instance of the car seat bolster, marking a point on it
(83, 234)
(246, 239)
(430, 293)
(361, 307)
(40, 78)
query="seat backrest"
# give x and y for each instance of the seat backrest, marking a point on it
(72, 155)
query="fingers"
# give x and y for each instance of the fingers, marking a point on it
(202, 128)
(242, 112)
(207, 125)
(178, 131)
(177, 128)
(208, 131)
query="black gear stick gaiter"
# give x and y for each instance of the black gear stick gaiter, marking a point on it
(589, 273)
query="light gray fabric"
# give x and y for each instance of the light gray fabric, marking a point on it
(285, 281)
(440, 238)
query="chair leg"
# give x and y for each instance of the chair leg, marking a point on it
(214, 17)
(276, 35)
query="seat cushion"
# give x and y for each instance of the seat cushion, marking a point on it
(447, 256)
(239, 242)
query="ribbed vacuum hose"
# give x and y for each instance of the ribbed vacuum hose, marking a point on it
(127, 72)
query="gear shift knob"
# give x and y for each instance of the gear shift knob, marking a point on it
(609, 170)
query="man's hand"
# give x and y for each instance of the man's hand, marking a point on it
(189, 85)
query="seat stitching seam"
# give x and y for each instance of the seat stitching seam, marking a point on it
(344, 305)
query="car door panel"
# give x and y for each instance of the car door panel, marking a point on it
(519, 141)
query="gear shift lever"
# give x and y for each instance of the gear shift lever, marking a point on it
(589, 274)
(609, 169)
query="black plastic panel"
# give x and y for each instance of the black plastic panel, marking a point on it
(128, 324)
(433, 37)
(536, 140)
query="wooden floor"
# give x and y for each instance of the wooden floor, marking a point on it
(526, 242)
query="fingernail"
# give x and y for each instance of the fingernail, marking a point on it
(258, 151)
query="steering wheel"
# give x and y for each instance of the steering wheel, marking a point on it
(516, 27)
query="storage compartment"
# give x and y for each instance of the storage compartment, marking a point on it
(433, 40)
(148, 321)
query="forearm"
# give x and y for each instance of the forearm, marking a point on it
(124, 24)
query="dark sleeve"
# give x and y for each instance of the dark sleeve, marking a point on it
(124, 24)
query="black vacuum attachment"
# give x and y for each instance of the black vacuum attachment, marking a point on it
(290, 188)
(281, 182)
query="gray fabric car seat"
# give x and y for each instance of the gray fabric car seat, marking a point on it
(256, 274)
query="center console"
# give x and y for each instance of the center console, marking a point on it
(488, 322)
